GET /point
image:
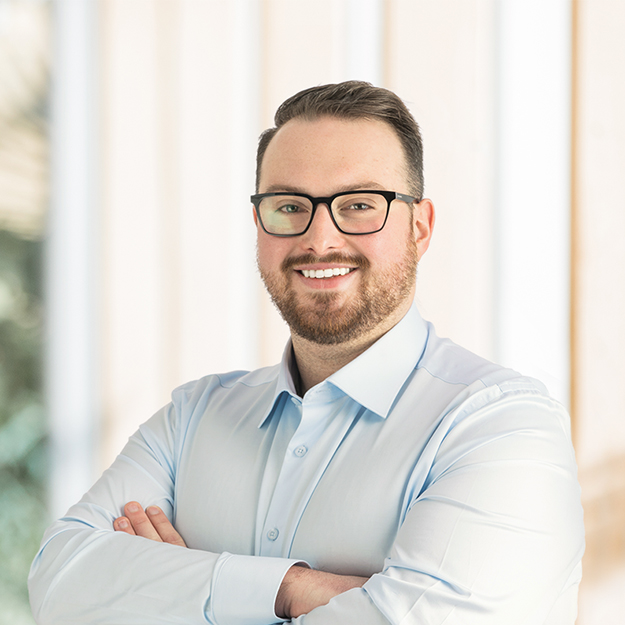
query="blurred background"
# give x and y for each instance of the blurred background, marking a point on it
(127, 257)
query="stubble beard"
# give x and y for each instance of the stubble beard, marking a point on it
(321, 319)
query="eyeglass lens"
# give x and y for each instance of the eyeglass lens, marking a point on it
(354, 213)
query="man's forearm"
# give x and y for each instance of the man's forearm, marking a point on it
(304, 589)
(88, 575)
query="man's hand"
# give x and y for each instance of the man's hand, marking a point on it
(151, 523)
(304, 589)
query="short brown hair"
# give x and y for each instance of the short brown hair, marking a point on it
(353, 99)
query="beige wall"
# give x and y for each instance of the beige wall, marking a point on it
(187, 85)
(180, 116)
(440, 60)
(599, 302)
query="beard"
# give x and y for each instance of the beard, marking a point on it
(321, 318)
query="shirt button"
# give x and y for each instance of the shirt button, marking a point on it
(273, 534)
(301, 451)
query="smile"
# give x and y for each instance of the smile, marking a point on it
(325, 273)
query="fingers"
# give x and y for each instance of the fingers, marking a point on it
(140, 522)
(151, 523)
(122, 524)
(164, 528)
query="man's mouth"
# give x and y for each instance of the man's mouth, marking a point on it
(325, 273)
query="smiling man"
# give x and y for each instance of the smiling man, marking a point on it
(378, 474)
(366, 241)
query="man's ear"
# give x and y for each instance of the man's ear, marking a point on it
(423, 218)
(255, 216)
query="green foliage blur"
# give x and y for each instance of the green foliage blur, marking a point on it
(25, 30)
(23, 462)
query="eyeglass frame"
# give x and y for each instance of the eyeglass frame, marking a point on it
(389, 196)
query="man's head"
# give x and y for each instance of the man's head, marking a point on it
(335, 285)
(354, 100)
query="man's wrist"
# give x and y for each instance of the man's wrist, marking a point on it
(260, 576)
(303, 589)
(288, 590)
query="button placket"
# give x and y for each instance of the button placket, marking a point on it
(274, 535)
(298, 477)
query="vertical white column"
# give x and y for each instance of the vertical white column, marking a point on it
(365, 39)
(534, 189)
(70, 261)
(243, 327)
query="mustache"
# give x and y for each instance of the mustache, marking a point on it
(353, 260)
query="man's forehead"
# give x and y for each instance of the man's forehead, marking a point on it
(365, 150)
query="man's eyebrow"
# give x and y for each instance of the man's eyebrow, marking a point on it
(369, 185)
(281, 188)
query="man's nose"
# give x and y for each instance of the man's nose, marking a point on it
(322, 235)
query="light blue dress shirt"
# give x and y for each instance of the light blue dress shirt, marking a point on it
(446, 479)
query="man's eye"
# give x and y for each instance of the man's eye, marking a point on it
(290, 208)
(355, 207)
(358, 204)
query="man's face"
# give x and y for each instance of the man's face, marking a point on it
(320, 158)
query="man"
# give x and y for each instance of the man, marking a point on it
(378, 475)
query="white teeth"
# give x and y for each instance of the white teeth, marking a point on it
(325, 273)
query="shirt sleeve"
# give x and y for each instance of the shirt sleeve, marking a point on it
(85, 572)
(494, 536)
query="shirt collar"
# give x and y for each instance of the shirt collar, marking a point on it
(374, 378)
(284, 381)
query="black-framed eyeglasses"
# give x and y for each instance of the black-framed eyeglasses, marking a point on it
(286, 214)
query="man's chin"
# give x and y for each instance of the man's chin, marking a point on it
(326, 335)
(325, 320)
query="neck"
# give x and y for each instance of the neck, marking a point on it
(316, 362)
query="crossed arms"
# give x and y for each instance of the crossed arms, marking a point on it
(302, 589)
(490, 533)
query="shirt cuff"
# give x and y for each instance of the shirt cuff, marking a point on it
(244, 589)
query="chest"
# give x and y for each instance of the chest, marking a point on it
(251, 490)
